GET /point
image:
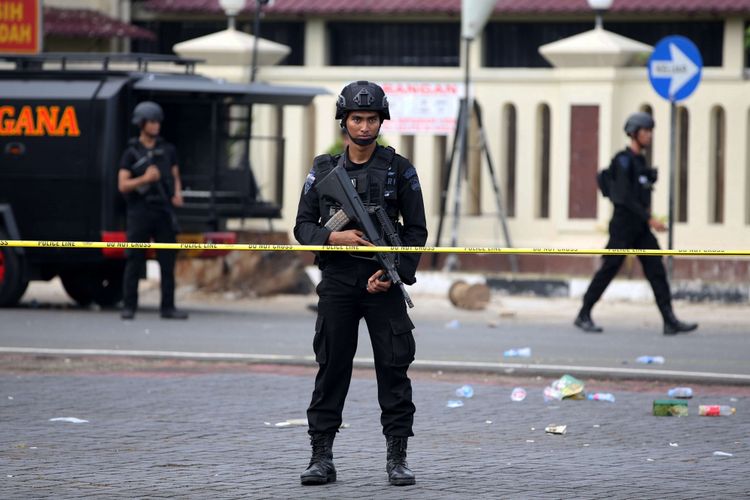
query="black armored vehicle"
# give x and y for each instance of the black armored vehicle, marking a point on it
(64, 122)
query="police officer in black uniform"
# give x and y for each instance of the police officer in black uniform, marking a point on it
(630, 189)
(351, 287)
(149, 178)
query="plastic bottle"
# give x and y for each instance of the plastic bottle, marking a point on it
(455, 403)
(601, 396)
(465, 391)
(552, 394)
(650, 360)
(518, 394)
(716, 410)
(680, 392)
(523, 352)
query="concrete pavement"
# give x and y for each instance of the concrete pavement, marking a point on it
(279, 329)
(166, 428)
(183, 429)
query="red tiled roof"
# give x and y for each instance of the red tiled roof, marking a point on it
(453, 7)
(626, 6)
(312, 7)
(89, 24)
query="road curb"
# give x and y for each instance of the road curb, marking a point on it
(439, 282)
(515, 369)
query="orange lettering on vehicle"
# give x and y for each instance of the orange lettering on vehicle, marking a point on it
(46, 119)
(41, 120)
(69, 123)
(25, 122)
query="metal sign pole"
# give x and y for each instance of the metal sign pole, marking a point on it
(672, 161)
(674, 70)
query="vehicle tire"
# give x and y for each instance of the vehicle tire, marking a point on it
(13, 274)
(99, 284)
(109, 292)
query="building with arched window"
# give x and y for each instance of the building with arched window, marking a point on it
(549, 129)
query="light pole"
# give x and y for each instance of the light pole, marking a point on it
(600, 7)
(231, 9)
(256, 35)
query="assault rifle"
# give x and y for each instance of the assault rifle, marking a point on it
(139, 168)
(338, 187)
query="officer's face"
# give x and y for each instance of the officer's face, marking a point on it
(152, 127)
(363, 124)
(644, 136)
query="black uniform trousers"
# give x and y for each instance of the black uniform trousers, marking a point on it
(625, 231)
(143, 223)
(342, 303)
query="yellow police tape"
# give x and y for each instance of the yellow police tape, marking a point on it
(332, 248)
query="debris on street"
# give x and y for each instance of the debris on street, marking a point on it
(566, 387)
(522, 352)
(601, 396)
(556, 429)
(716, 410)
(465, 391)
(670, 408)
(518, 394)
(650, 360)
(470, 297)
(680, 392)
(72, 420)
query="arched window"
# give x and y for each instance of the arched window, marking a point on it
(584, 161)
(717, 169)
(544, 143)
(441, 156)
(509, 143)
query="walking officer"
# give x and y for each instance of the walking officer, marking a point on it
(351, 288)
(149, 178)
(630, 185)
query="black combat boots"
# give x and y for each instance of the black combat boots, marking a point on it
(321, 469)
(585, 323)
(673, 326)
(398, 470)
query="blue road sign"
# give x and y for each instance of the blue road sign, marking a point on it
(674, 68)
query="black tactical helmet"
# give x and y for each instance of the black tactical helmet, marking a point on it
(147, 110)
(363, 96)
(637, 121)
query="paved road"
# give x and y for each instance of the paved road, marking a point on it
(166, 431)
(282, 326)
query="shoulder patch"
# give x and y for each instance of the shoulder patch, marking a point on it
(411, 175)
(309, 180)
(623, 160)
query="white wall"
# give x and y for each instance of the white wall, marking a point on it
(617, 91)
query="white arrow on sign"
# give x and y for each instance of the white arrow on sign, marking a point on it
(681, 69)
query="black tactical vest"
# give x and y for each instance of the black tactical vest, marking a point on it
(376, 184)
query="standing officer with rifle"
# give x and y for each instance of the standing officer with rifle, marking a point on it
(149, 178)
(378, 187)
